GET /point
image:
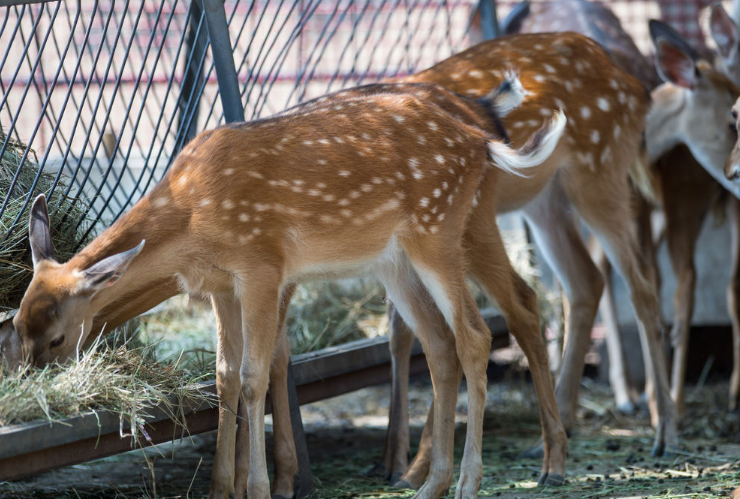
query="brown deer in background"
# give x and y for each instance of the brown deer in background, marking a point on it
(591, 179)
(690, 109)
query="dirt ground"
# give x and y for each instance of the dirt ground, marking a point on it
(609, 454)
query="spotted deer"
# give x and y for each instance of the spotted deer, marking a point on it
(589, 177)
(690, 113)
(335, 189)
(689, 116)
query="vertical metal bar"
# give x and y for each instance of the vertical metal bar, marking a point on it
(195, 46)
(304, 486)
(488, 19)
(223, 59)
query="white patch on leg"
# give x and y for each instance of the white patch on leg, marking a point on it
(439, 294)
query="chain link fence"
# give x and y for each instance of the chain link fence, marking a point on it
(99, 95)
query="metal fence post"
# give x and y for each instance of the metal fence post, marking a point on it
(223, 60)
(228, 86)
(195, 44)
(488, 18)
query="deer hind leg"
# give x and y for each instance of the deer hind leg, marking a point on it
(733, 299)
(259, 308)
(610, 217)
(228, 360)
(284, 451)
(418, 311)
(396, 450)
(489, 264)
(556, 233)
(442, 272)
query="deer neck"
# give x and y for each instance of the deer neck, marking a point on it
(161, 259)
(665, 121)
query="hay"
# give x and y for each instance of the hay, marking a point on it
(119, 374)
(15, 253)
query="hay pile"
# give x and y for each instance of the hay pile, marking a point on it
(118, 374)
(15, 253)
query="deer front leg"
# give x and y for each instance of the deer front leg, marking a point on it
(228, 384)
(259, 309)
(733, 302)
(284, 451)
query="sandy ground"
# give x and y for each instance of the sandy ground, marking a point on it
(609, 454)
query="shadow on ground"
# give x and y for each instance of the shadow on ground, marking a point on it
(609, 454)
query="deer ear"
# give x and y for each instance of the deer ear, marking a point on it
(39, 234)
(675, 65)
(724, 31)
(106, 272)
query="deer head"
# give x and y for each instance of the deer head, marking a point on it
(692, 107)
(59, 317)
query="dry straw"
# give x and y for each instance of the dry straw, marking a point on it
(15, 253)
(118, 374)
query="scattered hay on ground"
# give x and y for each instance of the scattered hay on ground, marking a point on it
(15, 252)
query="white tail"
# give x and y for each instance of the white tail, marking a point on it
(534, 152)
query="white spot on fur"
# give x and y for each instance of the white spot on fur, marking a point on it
(439, 158)
(603, 103)
(595, 136)
(433, 125)
(436, 193)
(227, 204)
(585, 112)
(160, 202)
(344, 173)
(228, 171)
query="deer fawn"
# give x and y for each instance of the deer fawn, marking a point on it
(607, 109)
(248, 209)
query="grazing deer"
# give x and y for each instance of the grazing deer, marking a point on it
(141, 300)
(607, 109)
(248, 209)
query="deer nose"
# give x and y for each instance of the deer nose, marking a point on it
(734, 172)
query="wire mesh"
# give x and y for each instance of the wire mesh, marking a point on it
(106, 92)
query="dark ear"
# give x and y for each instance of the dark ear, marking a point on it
(723, 31)
(38, 232)
(660, 30)
(106, 272)
(675, 65)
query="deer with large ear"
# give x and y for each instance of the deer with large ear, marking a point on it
(62, 327)
(693, 106)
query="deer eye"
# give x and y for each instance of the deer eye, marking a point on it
(55, 343)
